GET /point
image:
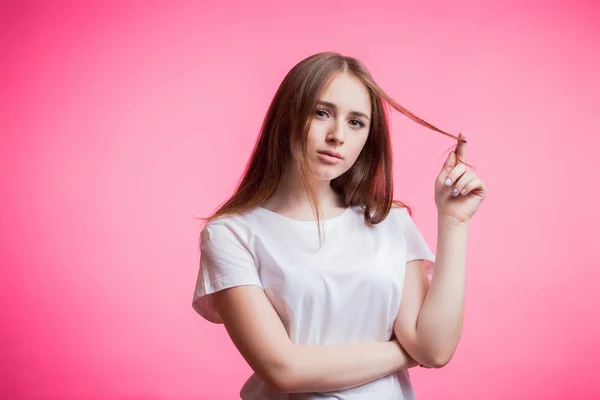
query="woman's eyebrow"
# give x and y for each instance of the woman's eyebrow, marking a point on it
(333, 106)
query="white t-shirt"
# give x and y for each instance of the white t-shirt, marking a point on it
(347, 291)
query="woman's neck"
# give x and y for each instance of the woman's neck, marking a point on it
(291, 199)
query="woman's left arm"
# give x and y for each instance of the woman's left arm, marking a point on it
(430, 319)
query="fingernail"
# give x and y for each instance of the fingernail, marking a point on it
(463, 191)
(447, 182)
(454, 191)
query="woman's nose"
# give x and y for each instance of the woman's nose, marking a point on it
(337, 132)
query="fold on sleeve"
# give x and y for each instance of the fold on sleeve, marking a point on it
(225, 262)
(416, 246)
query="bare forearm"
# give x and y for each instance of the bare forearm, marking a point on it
(440, 320)
(329, 368)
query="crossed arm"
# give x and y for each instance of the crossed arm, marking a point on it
(428, 327)
(258, 333)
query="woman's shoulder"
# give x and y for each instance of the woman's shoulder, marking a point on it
(397, 204)
(232, 218)
(399, 216)
(239, 224)
(395, 219)
(400, 209)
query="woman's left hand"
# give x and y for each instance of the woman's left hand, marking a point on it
(458, 190)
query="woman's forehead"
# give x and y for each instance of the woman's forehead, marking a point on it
(348, 94)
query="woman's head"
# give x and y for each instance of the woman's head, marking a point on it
(326, 103)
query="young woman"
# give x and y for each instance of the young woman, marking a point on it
(323, 282)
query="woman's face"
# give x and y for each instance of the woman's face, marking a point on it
(339, 128)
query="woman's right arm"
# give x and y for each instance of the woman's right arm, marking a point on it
(258, 333)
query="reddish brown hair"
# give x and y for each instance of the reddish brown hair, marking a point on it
(368, 183)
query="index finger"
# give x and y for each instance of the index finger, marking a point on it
(460, 148)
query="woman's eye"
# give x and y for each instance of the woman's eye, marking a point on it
(321, 113)
(357, 123)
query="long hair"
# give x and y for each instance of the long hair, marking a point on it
(368, 183)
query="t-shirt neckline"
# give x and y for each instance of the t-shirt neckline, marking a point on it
(305, 224)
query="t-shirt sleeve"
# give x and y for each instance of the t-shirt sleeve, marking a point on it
(416, 246)
(225, 262)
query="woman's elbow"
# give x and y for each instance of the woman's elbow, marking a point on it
(437, 360)
(292, 377)
(283, 380)
(281, 375)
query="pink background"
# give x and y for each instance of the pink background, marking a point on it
(122, 121)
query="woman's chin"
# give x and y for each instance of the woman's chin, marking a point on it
(326, 174)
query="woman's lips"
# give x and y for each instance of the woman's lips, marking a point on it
(329, 157)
